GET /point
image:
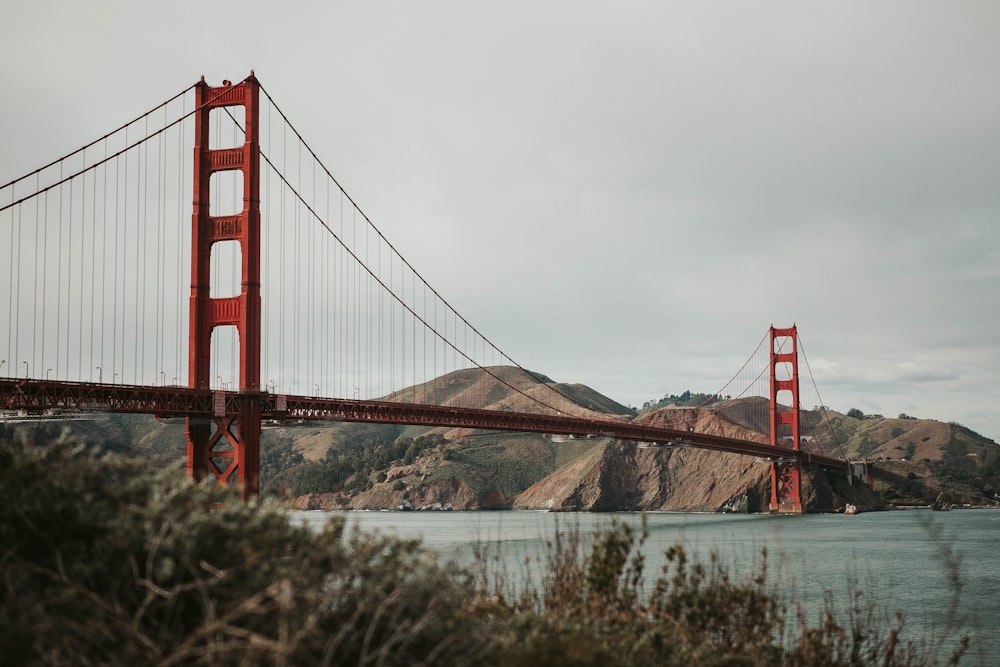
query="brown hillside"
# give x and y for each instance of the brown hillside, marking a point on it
(914, 460)
(733, 420)
(507, 388)
(628, 476)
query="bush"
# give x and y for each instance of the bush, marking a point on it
(590, 608)
(105, 562)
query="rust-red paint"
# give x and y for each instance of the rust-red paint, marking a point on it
(243, 311)
(786, 474)
(39, 397)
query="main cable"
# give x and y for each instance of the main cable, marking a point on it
(823, 411)
(416, 273)
(96, 141)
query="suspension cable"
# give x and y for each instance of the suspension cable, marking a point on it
(124, 150)
(96, 141)
(825, 413)
(416, 273)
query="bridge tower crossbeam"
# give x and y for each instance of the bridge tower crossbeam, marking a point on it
(226, 445)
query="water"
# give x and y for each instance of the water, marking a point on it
(900, 558)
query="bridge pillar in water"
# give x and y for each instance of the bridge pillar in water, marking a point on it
(227, 445)
(786, 476)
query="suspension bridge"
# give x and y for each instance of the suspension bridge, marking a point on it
(299, 308)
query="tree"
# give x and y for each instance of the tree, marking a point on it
(855, 413)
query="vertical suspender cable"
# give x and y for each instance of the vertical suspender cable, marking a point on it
(310, 363)
(101, 312)
(434, 342)
(69, 282)
(358, 340)
(141, 243)
(124, 261)
(344, 310)
(83, 244)
(297, 250)
(160, 249)
(384, 329)
(413, 301)
(180, 368)
(13, 315)
(368, 308)
(281, 265)
(340, 311)
(14, 352)
(59, 273)
(390, 353)
(266, 249)
(423, 340)
(79, 289)
(325, 303)
(40, 258)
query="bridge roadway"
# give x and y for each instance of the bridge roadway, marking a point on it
(48, 397)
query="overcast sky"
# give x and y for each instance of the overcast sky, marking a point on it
(623, 194)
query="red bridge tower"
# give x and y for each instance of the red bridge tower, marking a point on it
(218, 445)
(786, 476)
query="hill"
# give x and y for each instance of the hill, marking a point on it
(379, 466)
(917, 460)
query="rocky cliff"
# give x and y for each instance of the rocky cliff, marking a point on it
(499, 471)
(625, 476)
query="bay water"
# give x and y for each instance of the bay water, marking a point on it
(940, 569)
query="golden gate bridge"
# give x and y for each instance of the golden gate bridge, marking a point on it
(299, 308)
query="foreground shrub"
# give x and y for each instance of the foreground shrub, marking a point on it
(103, 561)
(591, 607)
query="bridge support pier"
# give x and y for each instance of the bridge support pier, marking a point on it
(786, 476)
(785, 480)
(227, 448)
(230, 450)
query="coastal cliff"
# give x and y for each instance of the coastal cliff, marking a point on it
(615, 476)
(517, 471)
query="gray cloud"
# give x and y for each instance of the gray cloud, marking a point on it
(650, 185)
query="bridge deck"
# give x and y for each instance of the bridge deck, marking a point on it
(45, 397)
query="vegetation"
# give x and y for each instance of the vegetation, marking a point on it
(105, 562)
(918, 462)
(278, 456)
(684, 400)
(591, 608)
(963, 463)
(348, 466)
(507, 463)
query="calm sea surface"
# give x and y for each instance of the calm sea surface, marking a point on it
(899, 557)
